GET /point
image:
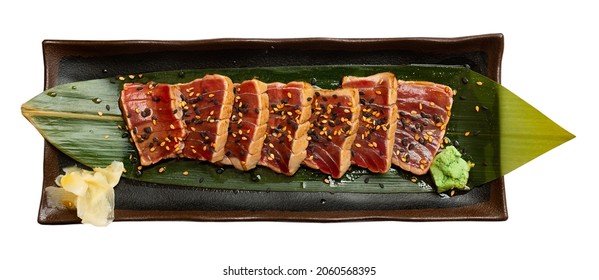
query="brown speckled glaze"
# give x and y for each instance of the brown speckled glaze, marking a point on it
(69, 61)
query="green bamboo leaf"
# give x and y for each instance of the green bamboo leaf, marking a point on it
(82, 120)
(526, 133)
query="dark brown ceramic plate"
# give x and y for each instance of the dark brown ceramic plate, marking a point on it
(69, 61)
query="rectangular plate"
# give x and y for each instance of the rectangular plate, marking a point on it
(70, 61)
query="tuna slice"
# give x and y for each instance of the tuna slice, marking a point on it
(333, 126)
(155, 126)
(373, 147)
(247, 126)
(286, 140)
(206, 106)
(424, 110)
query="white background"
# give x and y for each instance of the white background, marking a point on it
(550, 60)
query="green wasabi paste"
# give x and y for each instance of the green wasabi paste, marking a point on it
(449, 170)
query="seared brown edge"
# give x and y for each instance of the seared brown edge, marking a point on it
(495, 209)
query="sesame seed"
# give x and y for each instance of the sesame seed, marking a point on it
(326, 180)
(479, 83)
(476, 108)
(100, 113)
(404, 142)
(121, 78)
(467, 133)
(358, 144)
(185, 173)
(161, 169)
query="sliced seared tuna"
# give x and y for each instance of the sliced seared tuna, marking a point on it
(207, 105)
(373, 147)
(154, 124)
(333, 126)
(424, 110)
(247, 128)
(286, 140)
